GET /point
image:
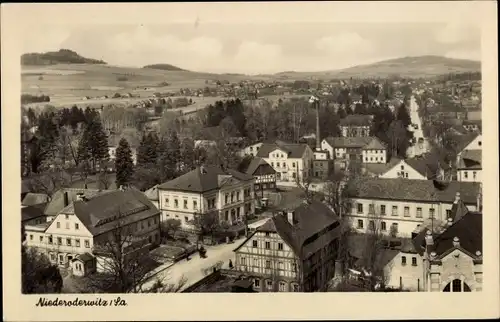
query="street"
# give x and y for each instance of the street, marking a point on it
(417, 148)
(192, 269)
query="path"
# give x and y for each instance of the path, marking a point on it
(416, 149)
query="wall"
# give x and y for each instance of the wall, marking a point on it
(457, 265)
(326, 146)
(408, 275)
(469, 175)
(351, 131)
(408, 172)
(374, 156)
(250, 150)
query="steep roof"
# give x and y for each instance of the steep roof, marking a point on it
(374, 144)
(34, 199)
(101, 212)
(422, 166)
(356, 120)
(32, 212)
(469, 230)
(381, 168)
(152, 193)
(203, 179)
(57, 203)
(470, 159)
(348, 142)
(249, 165)
(412, 190)
(465, 140)
(294, 150)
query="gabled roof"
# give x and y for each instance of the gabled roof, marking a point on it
(381, 168)
(203, 179)
(356, 120)
(56, 204)
(348, 142)
(85, 257)
(470, 159)
(250, 165)
(34, 199)
(469, 230)
(32, 212)
(294, 150)
(412, 190)
(152, 193)
(374, 144)
(465, 140)
(422, 166)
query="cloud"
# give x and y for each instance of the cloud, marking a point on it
(464, 54)
(47, 38)
(251, 54)
(456, 33)
(345, 42)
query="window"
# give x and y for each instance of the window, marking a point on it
(58, 224)
(360, 208)
(41, 239)
(269, 284)
(256, 262)
(52, 257)
(166, 201)
(142, 223)
(371, 208)
(414, 261)
(254, 244)
(371, 225)
(474, 175)
(360, 223)
(395, 227)
(268, 264)
(406, 175)
(268, 245)
(267, 234)
(66, 216)
(383, 226)
(186, 219)
(295, 287)
(282, 286)
(59, 240)
(419, 212)
(431, 213)
(479, 143)
(50, 239)
(176, 203)
(402, 167)
(232, 197)
(407, 212)
(448, 213)
(226, 215)
(272, 164)
(243, 261)
(77, 242)
(403, 260)
(68, 241)
(382, 210)
(77, 226)
(256, 283)
(185, 204)
(87, 243)
(294, 175)
(457, 285)
(67, 225)
(280, 246)
(280, 265)
(283, 165)
(31, 237)
(465, 174)
(237, 196)
(394, 210)
(293, 165)
(294, 267)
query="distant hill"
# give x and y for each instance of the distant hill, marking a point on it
(63, 56)
(418, 66)
(164, 67)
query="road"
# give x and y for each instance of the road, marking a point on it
(192, 269)
(417, 148)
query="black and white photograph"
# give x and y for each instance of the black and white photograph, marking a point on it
(243, 156)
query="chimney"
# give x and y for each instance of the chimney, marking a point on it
(79, 196)
(202, 169)
(457, 197)
(429, 241)
(291, 217)
(478, 253)
(456, 242)
(450, 222)
(66, 198)
(433, 255)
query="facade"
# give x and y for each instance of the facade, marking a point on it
(291, 162)
(33, 215)
(469, 166)
(322, 165)
(250, 150)
(356, 125)
(413, 169)
(263, 173)
(206, 189)
(399, 206)
(87, 224)
(294, 251)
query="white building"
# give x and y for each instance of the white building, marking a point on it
(469, 160)
(207, 189)
(400, 205)
(250, 150)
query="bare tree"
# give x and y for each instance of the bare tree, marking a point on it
(303, 181)
(49, 181)
(207, 224)
(171, 226)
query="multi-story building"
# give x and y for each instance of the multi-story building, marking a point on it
(294, 251)
(364, 150)
(250, 150)
(207, 189)
(356, 125)
(469, 159)
(413, 169)
(400, 205)
(292, 162)
(322, 164)
(263, 173)
(83, 227)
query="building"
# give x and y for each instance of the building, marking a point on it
(472, 125)
(33, 215)
(413, 169)
(400, 205)
(291, 161)
(207, 189)
(152, 195)
(322, 164)
(86, 225)
(469, 166)
(294, 251)
(453, 259)
(32, 199)
(356, 125)
(364, 150)
(263, 173)
(250, 150)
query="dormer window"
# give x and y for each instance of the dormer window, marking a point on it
(402, 167)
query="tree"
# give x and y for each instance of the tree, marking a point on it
(399, 138)
(123, 163)
(403, 115)
(38, 275)
(93, 145)
(207, 224)
(171, 226)
(188, 156)
(147, 150)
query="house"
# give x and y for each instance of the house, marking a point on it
(206, 189)
(250, 150)
(294, 251)
(472, 125)
(356, 125)
(63, 197)
(85, 225)
(263, 173)
(152, 195)
(400, 205)
(469, 166)
(453, 259)
(322, 165)
(413, 168)
(291, 161)
(473, 141)
(32, 199)
(33, 214)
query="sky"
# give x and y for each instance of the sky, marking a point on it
(205, 41)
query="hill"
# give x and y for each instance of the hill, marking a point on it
(164, 67)
(414, 67)
(63, 56)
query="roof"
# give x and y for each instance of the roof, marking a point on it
(85, 257)
(152, 193)
(250, 165)
(465, 140)
(470, 159)
(458, 210)
(204, 179)
(356, 120)
(469, 230)
(348, 142)
(412, 190)
(381, 168)
(57, 204)
(294, 150)
(101, 212)
(32, 212)
(34, 199)
(422, 166)
(309, 219)
(374, 144)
